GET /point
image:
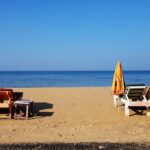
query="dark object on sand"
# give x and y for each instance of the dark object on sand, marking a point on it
(76, 146)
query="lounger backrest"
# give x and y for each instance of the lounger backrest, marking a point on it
(147, 93)
(15, 95)
(135, 93)
(6, 95)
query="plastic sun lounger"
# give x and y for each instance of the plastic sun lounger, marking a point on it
(134, 96)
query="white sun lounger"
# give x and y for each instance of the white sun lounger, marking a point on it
(134, 96)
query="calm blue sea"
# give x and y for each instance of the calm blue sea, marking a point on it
(68, 78)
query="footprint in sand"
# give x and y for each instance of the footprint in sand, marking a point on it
(60, 135)
(55, 126)
(23, 130)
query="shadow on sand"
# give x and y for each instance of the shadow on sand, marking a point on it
(138, 111)
(42, 109)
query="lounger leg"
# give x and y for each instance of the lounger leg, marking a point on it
(148, 111)
(27, 111)
(10, 111)
(116, 100)
(127, 110)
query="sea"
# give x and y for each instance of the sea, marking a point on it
(68, 78)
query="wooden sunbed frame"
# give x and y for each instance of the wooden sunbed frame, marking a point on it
(7, 98)
(6, 101)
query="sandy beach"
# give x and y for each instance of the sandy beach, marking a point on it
(73, 115)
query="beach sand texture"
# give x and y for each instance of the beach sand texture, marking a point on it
(75, 115)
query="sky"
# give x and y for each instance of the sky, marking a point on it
(74, 34)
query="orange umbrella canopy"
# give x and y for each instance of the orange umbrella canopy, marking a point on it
(118, 80)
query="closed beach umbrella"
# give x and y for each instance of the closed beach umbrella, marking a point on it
(118, 80)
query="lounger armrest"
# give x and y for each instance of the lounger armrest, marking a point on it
(125, 97)
(144, 98)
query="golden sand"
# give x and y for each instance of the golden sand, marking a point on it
(75, 115)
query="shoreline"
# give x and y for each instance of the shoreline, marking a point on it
(59, 87)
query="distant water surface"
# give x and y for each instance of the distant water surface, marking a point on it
(68, 78)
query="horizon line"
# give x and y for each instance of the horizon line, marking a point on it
(61, 70)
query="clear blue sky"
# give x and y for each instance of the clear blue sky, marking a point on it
(74, 34)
